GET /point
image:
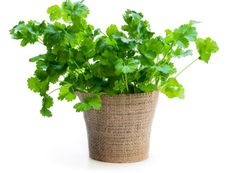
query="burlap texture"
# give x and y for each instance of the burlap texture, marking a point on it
(120, 131)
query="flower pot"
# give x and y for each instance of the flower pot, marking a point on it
(120, 131)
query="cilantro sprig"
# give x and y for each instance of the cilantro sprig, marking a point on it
(130, 59)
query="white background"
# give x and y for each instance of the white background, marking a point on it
(188, 136)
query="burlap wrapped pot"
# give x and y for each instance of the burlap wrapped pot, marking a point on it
(119, 132)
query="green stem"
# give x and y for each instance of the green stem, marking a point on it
(186, 67)
(157, 82)
(126, 83)
(79, 68)
(40, 40)
(170, 49)
(123, 79)
(53, 91)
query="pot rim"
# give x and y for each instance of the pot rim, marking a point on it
(120, 95)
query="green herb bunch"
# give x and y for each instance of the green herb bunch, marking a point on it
(80, 58)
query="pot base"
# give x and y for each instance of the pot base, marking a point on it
(110, 159)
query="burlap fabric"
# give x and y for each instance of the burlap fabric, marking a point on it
(120, 131)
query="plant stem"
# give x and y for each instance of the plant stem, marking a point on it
(157, 82)
(170, 49)
(40, 40)
(53, 91)
(79, 68)
(126, 83)
(186, 67)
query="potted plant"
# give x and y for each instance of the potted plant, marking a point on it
(117, 75)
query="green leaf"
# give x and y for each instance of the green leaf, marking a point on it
(205, 48)
(47, 102)
(80, 10)
(54, 35)
(82, 107)
(38, 86)
(111, 42)
(41, 74)
(147, 87)
(135, 25)
(46, 112)
(67, 7)
(129, 66)
(66, 93)
(119, 65)
(119, 86)
(169, 36)
(97, 32)
(111, 30)
(90, 102)
(184, 34)
(34, 84)
(164, 68)
(28, 32)
(94, 101)
(172, 88)
(182, 53)
(88, 48)
(188, 31)
(38, 58)
(151, 49)
(55, 12)
(54, 71)
(44, 87)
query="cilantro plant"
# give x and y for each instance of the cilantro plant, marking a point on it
(130, 59)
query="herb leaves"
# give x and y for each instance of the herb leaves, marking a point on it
(80, 58)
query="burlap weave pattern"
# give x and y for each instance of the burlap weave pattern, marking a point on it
(120, 130)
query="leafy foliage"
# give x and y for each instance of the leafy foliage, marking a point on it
(172, 88)
(47, 102)
(67, 92)
(89, 102)
(80, 58)
(205, 48)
